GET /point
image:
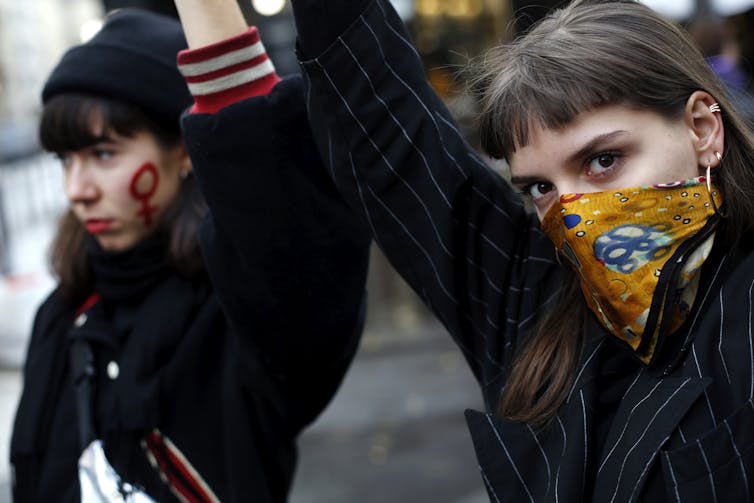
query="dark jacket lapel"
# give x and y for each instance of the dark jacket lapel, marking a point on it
(520, 464)
(648, 414)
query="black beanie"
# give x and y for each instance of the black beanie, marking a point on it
(131, 59)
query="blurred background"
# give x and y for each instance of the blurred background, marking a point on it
(395, 431)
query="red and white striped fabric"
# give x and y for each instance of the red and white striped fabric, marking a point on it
(176, 471)
(228, 71)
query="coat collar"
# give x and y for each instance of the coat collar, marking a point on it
(648, 414)
(519, 464)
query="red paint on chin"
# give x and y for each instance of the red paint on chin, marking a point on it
(95, 226)
(144, 194)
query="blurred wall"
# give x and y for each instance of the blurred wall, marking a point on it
(33, 35)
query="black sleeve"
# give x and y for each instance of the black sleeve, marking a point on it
(452, 227)
(319, 22)
(287, 257)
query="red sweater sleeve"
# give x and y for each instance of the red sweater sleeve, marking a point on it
(228, 71)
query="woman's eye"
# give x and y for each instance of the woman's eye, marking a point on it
(602, 163)
(539, 189)
(102, 154)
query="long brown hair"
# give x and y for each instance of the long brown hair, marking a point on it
(587, 55)
(66, 125)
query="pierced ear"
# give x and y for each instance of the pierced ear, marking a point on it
(184, 161)
(706, 128)
(186, 165)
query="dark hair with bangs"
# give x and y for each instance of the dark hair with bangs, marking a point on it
(66, 126)
(581, 57)
(66, 123)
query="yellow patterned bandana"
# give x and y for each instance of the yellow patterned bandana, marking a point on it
(638, 253)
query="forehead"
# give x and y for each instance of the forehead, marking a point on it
(547, 146)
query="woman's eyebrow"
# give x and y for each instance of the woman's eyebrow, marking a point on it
(524, 180)
(595, 143)
(103, 138)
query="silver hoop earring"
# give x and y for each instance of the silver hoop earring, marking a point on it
(715, 107)
(710, 192)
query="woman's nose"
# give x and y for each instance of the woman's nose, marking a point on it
(79, 185)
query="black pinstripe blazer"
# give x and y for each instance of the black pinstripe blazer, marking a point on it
(684, 430)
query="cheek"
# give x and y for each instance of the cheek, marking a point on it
(679, 157)
(144, 184)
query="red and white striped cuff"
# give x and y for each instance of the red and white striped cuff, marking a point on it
(228, 71)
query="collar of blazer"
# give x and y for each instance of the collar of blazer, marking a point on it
(548, 465)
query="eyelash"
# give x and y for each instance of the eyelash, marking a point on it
(525, 191)
(617, 158)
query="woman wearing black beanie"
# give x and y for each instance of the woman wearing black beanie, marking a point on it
(143, 382)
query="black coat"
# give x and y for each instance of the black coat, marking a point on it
(682, 430)
(229, 376)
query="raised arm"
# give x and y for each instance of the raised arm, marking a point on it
(206, 22)
(454, 229)
(286, 255)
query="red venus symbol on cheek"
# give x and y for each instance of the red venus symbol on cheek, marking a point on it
(143, 187)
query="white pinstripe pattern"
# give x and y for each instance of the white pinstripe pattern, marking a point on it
(488, 279)
(720, 341)
(538, 259)
(565, 437)
(487, 240)
(625, 425)
(492, 203)
(396, 121)
(565, 440)
(586, 440)
(657, 413)
(389, 165)
(544, 455)
(672, 476)
(740, 461)
(706, 395)
(405, 228)
(542, 305)
(361, 194)
(331, 164)
(430, 115)
(410, 89)
(646, 468)
(386, 160)
(751, 347)
(418, 245)
(709, 471)
(489, 486)
(446, 290)
(483, 334)
(406, 42)
(583, 367)
(493, 378)
(519, 290)
(510, 460)
(444, 129)
(471, 155)
(631, 386)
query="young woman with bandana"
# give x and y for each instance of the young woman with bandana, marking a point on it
(610, 331)
(142, 381)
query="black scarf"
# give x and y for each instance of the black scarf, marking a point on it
(126, 275)
(147, 313)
